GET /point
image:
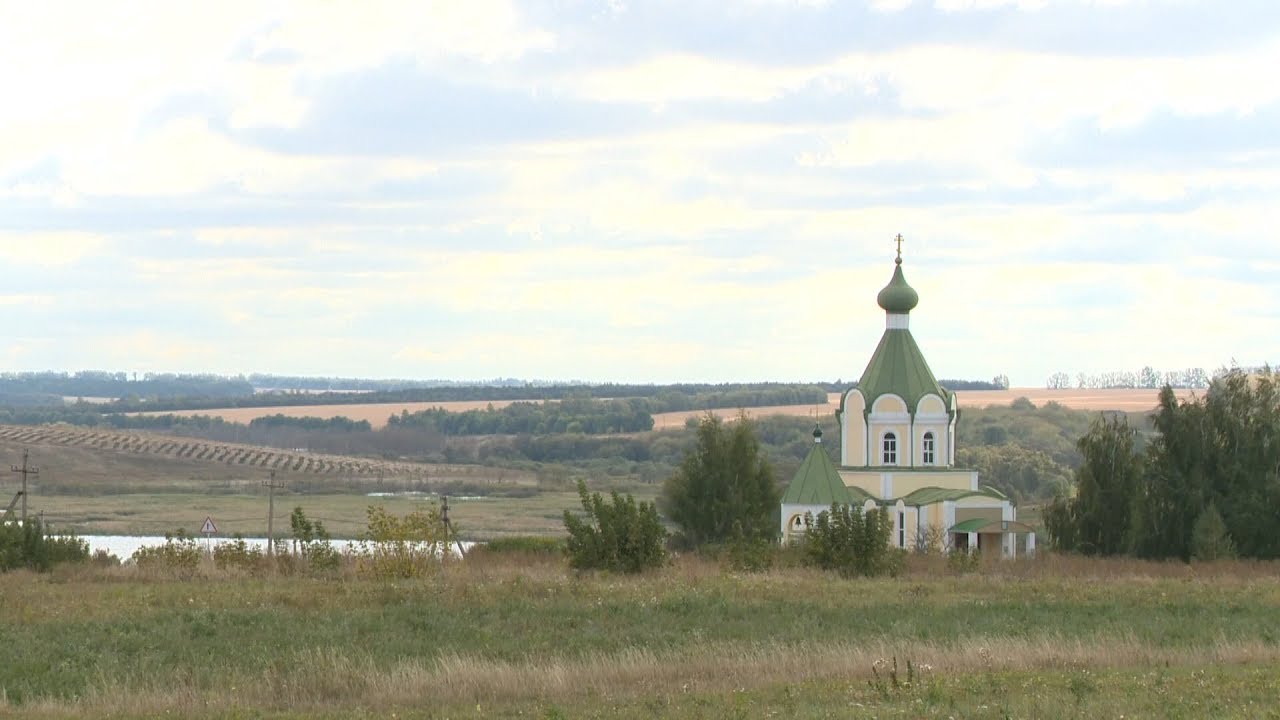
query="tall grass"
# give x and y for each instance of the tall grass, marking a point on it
(521, 628)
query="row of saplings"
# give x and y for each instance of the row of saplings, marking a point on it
(391, 547)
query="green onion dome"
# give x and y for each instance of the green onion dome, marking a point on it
(898, 297)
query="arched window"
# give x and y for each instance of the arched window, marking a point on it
(890, 449)
(928, 447)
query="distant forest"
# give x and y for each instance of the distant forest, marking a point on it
(122, 392)
(51, 388)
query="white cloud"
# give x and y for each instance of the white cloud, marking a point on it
(49, 249)
(890, 6)
(740, 196)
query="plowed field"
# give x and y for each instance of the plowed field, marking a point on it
(179, 448)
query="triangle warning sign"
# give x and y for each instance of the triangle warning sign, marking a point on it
(209, 528)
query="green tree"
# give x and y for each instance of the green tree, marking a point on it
(1022, 473)
(1209, 538)
(1097, 520)
(311, 541)
(1224, 450)
(724, 480)
(621, 535)
(1174, 487)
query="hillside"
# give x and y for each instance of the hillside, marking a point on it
(90, 460)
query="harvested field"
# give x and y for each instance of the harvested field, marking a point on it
(376, 413)
(1125, 400)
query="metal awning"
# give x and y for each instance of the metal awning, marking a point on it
(983, 525)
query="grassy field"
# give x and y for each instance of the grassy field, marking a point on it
(342, 514)
(106, 490)
(503, 636)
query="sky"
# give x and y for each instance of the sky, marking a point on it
(688, 191)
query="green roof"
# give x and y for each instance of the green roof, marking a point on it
(969, 526)
(898, 297)
(817, 482)
(898, 367)
(931, 495)
(988, 525)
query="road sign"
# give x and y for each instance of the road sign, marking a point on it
(209, 528)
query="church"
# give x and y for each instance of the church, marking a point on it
(897, 451)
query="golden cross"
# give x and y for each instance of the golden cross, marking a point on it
(899, 241)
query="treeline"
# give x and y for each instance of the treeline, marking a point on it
(1147, 377)
(678, 397)
(1207, 486)
(52, 387)
(286, 383)
(128, 392)
(653, 398)
(573, 416)
(341, 423)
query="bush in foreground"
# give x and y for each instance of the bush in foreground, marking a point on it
(29, 546)
(621, 535)
(851, 542)
(179, 555)
(402, 547)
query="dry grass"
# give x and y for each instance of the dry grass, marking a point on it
(505, 673)
(244, 511)
(1054, 566)
(320, 679)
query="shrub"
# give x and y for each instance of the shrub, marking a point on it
(963, 562)
(311, 540)
(237, 554)
(621, 535)
(179, 554)
(29, 546)
(402, 547)
(749, 554)
(852, 543)
(104, 559)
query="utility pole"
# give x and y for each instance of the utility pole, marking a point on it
(444, 519)
(26, 471)
(271, 486)
(448, 529)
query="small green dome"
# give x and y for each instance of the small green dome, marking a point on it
(898, 297)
